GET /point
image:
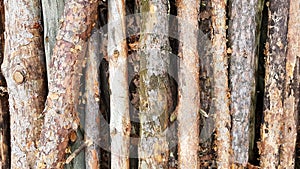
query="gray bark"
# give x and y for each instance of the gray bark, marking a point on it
(92, 108)
(52, 12)
(118, 80)
(243, 26)
(24, 70)
(153, 86)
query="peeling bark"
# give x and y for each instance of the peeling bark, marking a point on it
(291, 89)
(4, 107)
(220, 84)
(276, 47)
(92, 108)
(118, 80)
(154, 84)
(52, 12)
(60, 113)
(24, 69)
(188, 85)
(243, 26)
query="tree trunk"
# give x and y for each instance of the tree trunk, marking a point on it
(243, 26)
(24, 70)
(274, 84)
(4, 109)
(291, 89)
(220, 83)
(118, 80)
(188, 85)
(154, 84)
(92, 108)
(67, 61)
(52, 12)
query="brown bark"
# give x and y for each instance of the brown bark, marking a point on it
(92, 107)
(291, 89)
(153, 85)
(243, 42)
(188, 85)
(118, 80)
(4, 107)
(220, 84)
(274, 84)
(24, 70)
(61, 114)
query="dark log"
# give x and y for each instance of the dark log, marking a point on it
(276, 47)
(4, 107)
(291, 107)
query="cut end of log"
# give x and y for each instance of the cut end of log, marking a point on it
(18, 77)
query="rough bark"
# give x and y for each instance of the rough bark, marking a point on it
(276, 47)
(220, 84)
(207, 154)
(52, 12)
(67, 61)
(24, 70)
(153, 86)
(4, 109)
(92, 108)
(188, 85)
(291, 89)
(118, 80)
(243, 48)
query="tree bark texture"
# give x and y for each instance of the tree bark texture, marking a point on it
(92, 108)
(118, 80)
(188, 85)
(154, 85)
(243, 62)
(24, 70)
(276, 48)
(291, 107)
(4, 109)
(52, 12)
(61, 116)
(221, 94)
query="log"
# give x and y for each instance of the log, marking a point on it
(220, 84)
(274, 84)
(243, 41)
(92, 107)
(154, 98)
(52, 12)
(67, 61)
(4, 107)
(24, 70)
(188, 85)
(291, 89)
(118, 80)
